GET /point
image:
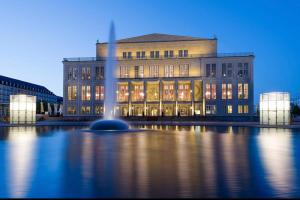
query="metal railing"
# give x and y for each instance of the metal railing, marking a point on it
(212, 55)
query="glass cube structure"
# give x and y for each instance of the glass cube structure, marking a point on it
(22, 109)
(275, 108)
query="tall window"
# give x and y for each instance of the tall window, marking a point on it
(227, 69)
(243, 109)
(99, 92)
(243, 91)
(243, 69)
(227, 91)
(98, 110)
(72, 92)
(240, 109)
(99, 72)
(122, 92)
(211, 70)
(184, 91)
(72, 73)
(137, 92)
(154, 70)
(229, 109)
(86, 73)
(246, 110)
(124, 71)
(169, 71)
(184, 70)
(138, 71)
(211, 91)
(85, 93)
(168, 91)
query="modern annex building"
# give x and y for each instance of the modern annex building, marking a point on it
(10, 86)
(162, 75)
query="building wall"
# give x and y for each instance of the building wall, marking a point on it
(197, 72)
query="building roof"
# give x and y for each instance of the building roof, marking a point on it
(24, 85)
(157, 37)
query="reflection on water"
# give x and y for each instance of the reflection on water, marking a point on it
(171, 161)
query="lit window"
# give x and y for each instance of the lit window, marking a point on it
(85, 109)
(223, 91)
(240, 109)
(184, 70)
(99, 110)
(86, 73)
(246, 91)
(71, 110)
(246, 110)
(169, 71)
(154, 71)
(124, 72)
(137, 92)
(184, 91)
(207, 91)
(168, 91)
(213, 91)
(139, 71)
(85, 93)
(229, 109)
(240, 91)
(72, 92)
(122, 92)
(99, 93)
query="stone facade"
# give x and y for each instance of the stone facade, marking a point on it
(163, 75)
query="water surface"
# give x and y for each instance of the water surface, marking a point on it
(169, 161)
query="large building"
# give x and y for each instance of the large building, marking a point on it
(10, 86)
(162, 75)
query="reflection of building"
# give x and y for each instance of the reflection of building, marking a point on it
(163, 75)
(10, 86)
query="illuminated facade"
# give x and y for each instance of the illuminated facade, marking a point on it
(275, 108)
(22, 109)
(162, 75)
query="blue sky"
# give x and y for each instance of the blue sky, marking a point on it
(35, 35)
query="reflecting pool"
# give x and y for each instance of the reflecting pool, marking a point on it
(162, 161)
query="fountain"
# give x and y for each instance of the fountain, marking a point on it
(109, 122)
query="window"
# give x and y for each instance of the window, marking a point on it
(71, 110)
(184, 91)
(154, 54)
(72, 92)
(246, 69)
(140, 54)
(127, 55)
(72, 73)
(184, 70)
(122, 94)
(137, 92)
(246, 110)
(169, 71)
(85, 109)
(240, 69)
(99, 92)
(229, 109)
(169, 54)
(226, 69)
(154, 71)
(86, 73)
(210, 109)
(183, 53)
(207, 93)
(245, 90)
(240, 91)
(99, 72)
(240, 109)
(180, 53)
(99, 110)
(124, 71)
(207, 70)
(168, 91)
(211, 70)
(138, 71)
(211, 92)
(85, 93)
(227, 91)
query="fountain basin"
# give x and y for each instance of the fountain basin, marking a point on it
(109, 125)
